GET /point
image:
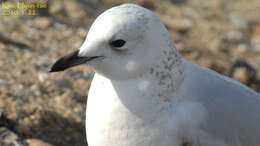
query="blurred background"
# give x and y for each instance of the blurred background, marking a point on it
(41, 109)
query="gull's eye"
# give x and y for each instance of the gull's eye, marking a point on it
(117, 43)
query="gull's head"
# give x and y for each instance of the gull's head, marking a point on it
(122, 43)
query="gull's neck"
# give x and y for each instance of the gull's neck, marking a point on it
(168, 73)
(158, 86)
(165, 76)
(154, 91)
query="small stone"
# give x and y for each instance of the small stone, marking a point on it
(178, 1)
(146, 3)
(243, 72)
(36, 142)
(65, 84)
(241, 75)
(242, 48)
(239, 50)
(8, 137)
(206, 63)
(2, 46)
(238, 21)
(56, 7)
(214, 45)
(211, 4)
(42, 76)
(235, 36)
(111, 2)
(256, 30)
(211, 64)
(255, 39)
(74, 10)
(62, 100)
(82, 32)
(178, 24)
(43, 22)
(217, 67)
(34, 87)
(2, 80)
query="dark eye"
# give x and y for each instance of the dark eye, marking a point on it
(117, 43)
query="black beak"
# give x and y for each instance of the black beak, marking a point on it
(69, 61)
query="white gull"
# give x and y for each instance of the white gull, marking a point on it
(145, 94)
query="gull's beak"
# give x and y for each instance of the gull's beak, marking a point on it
(70, 60)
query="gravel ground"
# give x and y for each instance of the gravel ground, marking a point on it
(41, 109)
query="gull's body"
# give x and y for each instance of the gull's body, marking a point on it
(145, 94)
(208, 109)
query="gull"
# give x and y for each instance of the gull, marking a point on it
(145, 94)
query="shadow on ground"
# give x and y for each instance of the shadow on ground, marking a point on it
(57, 130)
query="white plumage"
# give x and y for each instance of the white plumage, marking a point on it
(145, 94)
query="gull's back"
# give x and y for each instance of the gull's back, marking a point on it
(233, 110)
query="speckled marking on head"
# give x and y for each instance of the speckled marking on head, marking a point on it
(170, 70)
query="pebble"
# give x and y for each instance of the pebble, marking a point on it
(2, 46)
(82, 76)
(243, 72)
(214, 46)
(56, 8)
(42, 76)
(82, 32)
(9, 138)
(240, 50)
(178, 24)
(2, 81)
(74, 10)
(42, 22)
(238, 21)
(240, 75)
(235, 36)
(255, 39)
(111, 2)
(178, 1)
(146, 3)
(36, 142)
(62, 100)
